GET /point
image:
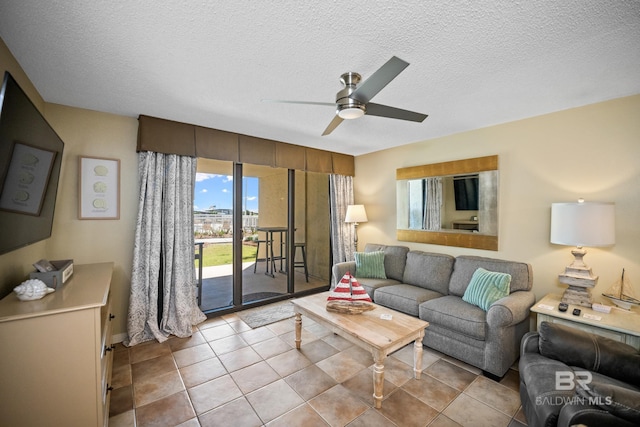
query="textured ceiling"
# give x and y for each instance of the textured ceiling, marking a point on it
(473, 63)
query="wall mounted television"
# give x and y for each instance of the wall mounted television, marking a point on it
(30, 161)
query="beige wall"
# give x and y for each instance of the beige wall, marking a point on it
(591, 152)
(94, 134)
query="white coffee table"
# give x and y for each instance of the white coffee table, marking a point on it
(369, 330)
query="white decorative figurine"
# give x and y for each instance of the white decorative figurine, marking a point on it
(32, 289)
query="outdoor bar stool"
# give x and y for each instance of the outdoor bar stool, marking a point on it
(255, 264)
(302, 263)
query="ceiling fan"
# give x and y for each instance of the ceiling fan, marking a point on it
(353, 102)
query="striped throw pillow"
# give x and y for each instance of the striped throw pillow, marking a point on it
(370, 265)
(486, 287)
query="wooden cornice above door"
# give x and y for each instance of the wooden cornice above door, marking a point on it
(166, 136)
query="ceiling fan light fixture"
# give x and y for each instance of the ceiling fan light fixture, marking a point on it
(352, 102)
(351, 112)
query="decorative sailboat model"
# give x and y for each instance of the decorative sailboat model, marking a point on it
(349, 297)
(621, 293)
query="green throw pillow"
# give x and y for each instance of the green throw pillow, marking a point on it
(487, 287)
(370, 265)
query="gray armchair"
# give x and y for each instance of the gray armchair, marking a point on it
(570, 377)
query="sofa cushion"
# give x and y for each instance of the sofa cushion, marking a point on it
(486, 287)
(404, 298)
(428, 270)
(456, 315)
(588, 351)
(395, 258)
(465, 266)
(370, 285)
(370, 264)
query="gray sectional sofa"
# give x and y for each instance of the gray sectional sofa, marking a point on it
(431, 286)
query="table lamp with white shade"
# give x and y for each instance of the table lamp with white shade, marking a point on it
(581, 224)
(355, 214)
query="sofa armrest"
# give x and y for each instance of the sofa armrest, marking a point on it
(602, 405)
(340, 269)
(511, 309)
(587, 415)
(619, 401)
(529, 343)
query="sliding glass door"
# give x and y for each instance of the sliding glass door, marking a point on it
(263, 232)
(265, 276)
(213, 231)
(312, 250)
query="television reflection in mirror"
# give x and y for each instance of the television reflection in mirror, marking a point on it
(465, 188)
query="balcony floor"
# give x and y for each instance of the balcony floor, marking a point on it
(217, 284)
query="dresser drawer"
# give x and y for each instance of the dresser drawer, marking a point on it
(106, 357)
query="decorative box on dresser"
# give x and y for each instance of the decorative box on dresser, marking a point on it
(56, 353)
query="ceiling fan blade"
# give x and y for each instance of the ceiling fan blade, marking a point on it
(378, 80)
(330, 104)
(334, 124)
(394, 113)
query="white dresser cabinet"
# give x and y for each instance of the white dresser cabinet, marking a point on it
(56, 355)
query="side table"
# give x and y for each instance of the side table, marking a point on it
(619, 325)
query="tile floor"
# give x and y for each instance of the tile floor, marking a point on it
(230, 374)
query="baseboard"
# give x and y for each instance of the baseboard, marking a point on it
(118, 338)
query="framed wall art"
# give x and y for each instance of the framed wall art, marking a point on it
(99, 188)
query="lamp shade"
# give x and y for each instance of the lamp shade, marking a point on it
(583, 224)
(356, 213)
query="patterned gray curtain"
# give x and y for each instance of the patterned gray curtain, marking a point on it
(162, 301)
(433, 203)
(342, 233)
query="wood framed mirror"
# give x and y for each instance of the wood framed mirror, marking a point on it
(451, 203)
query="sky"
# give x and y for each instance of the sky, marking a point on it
(217, 190)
